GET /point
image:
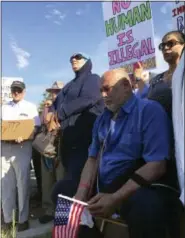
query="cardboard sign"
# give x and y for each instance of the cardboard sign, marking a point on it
(11, 130)
(124, 21)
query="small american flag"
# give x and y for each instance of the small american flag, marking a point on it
(67, 218)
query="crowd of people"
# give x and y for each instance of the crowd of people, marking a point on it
(116, 147)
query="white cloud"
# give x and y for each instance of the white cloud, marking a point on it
(166, 7)
(22, 56)
(49, 5)
(55, 15)
(57, 22)
(80, 12)
(62, 17)
(56, 12)
(48, 16)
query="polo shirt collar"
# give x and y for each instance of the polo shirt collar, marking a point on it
(129, 105)
(12, 103)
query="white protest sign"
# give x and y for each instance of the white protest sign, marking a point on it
(178, 13)
(6, 91)
(130, 34)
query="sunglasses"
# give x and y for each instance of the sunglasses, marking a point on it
(169, 44)
(77, 57)
(16, 90)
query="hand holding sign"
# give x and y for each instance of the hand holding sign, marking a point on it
(138, 70)
(19, 139)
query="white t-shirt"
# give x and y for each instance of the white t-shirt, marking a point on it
(20, 111)
(178, 121)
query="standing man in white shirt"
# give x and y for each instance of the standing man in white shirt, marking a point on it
(15, 159)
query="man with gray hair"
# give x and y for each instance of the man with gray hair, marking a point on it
(133, 138)
(15, 159)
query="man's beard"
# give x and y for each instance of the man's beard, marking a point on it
(112, 107)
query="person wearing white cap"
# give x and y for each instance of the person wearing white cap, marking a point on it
(15, 159)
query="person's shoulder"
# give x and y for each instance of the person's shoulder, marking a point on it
(156, 78)
(94, 76)
(29, 104)
(7, 104)
(150, 106)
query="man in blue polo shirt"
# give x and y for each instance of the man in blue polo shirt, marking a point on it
(133, 138)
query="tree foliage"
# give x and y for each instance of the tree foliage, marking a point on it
(46, 96)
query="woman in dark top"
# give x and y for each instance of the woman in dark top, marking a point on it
(160, 90)
(160, 86)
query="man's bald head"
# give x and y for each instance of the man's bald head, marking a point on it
(116, 87)
(116, 75)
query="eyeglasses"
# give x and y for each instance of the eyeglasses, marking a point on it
(77, 57)
(16, 90)
(169, 44)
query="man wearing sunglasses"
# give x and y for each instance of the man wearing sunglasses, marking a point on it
(15, 159)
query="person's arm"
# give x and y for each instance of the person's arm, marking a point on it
(89, 170)
(156, 147)
(89, 96)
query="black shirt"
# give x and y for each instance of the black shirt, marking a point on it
(161, 91)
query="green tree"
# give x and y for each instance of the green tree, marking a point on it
(46, 96)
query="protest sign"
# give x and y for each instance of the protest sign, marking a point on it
(178, 13)
(6, 91)
(130, 34)
(11, 130)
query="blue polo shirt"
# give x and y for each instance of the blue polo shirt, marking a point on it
(141, 130)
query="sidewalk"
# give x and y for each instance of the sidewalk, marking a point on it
(36, 230)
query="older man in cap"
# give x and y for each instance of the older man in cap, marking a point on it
(52, 169)
(15, 159)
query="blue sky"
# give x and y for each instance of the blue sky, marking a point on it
(39, 37)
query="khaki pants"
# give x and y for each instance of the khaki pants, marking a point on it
(15, 176)
(49, 178)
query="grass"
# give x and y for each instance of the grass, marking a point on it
(10, 233)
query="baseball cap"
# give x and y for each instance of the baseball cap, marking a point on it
(18, 84)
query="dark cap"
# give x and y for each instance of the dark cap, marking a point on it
(18, 84)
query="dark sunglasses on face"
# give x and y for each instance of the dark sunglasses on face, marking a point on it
(16, 90)
(169, 44)
(77, 57)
